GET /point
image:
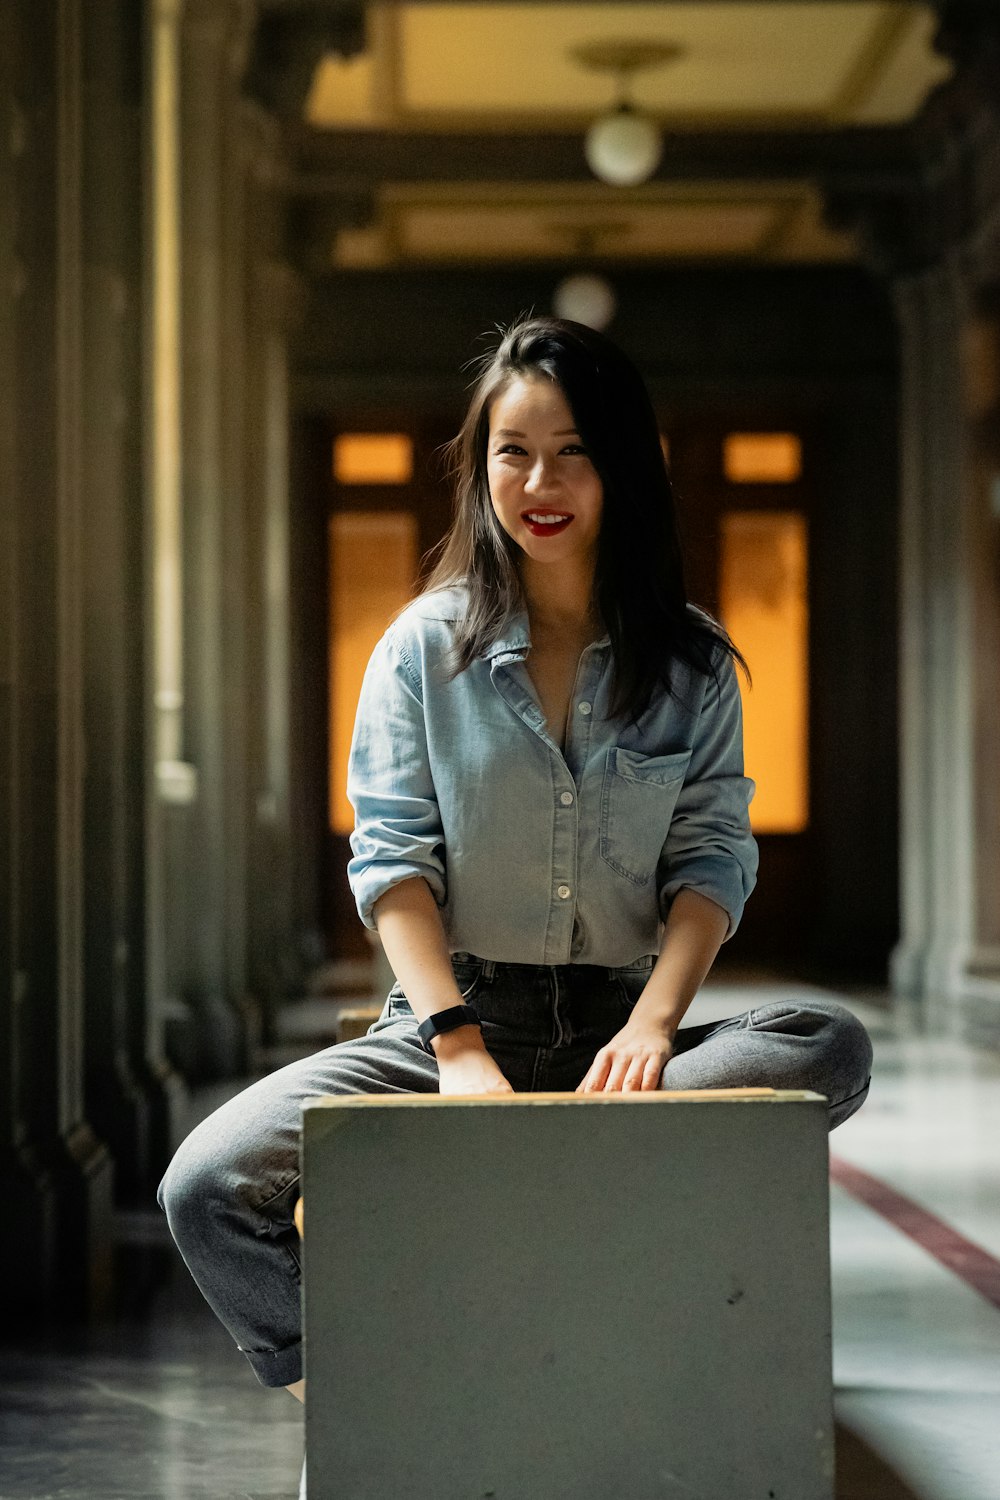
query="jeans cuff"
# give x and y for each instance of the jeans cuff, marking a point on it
(842, 1111)
(278, 1366)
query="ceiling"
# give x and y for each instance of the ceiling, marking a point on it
(430, 70)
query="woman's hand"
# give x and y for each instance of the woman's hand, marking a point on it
(464, 1069)
(633, 1060)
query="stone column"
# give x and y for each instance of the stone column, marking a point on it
(85, 1175)
(309, 648)
(948, 682)
(60, 1172)
(934, 704)
(278, 965)
(25, 1249)
(205, 860)
(274, 302)
(169, 782)
(235, 416)
(123, 1100)
(948, 959)
(948, 602)
(908, 963)
(980, 351)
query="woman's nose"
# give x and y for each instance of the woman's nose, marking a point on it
(540, 478)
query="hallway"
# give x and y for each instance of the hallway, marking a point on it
(250, 251)
(160, 1408)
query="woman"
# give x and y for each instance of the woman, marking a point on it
(551, 836)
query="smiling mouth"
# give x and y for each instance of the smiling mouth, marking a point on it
(546, 523)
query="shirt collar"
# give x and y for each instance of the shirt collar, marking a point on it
(516, 638)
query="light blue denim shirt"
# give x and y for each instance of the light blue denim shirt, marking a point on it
(534, 855)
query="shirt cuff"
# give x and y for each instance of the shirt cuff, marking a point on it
(372, 881)
(721, 880)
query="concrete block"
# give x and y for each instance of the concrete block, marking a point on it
(568, 1297)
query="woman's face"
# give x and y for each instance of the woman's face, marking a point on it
(546, 493)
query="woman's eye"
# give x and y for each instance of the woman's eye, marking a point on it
(574, 450)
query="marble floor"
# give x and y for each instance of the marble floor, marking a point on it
(158, 1406)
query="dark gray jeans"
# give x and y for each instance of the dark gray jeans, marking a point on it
(230, 1191)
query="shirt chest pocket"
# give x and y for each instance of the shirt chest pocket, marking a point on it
(637, 803)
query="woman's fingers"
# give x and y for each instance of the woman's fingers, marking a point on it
(626, 1067)
(593, 1082)
(618, 1074)
(634, 1074)
(653, 1071)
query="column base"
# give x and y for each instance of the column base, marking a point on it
(978, 1007)
(27, 1251)
(120, 1107)
(60, 1254)
(84, 1179)
(953, 988)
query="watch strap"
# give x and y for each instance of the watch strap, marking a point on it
(445, 1020)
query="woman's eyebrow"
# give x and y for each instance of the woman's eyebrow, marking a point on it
(512, 432)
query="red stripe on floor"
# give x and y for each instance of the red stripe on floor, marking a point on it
(974, 1265)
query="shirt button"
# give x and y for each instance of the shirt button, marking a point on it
(566, 798)
(585, 708)
(563, 892)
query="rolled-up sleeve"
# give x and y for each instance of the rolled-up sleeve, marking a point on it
(397, 824)
(709, 847)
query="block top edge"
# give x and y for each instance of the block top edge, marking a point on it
(658, 1096)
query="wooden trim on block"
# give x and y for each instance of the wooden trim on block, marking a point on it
(648, 1096)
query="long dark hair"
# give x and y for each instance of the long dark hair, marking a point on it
(639, 577)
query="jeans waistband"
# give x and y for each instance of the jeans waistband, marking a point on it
(490, 966)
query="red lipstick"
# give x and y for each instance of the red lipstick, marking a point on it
(546, 528)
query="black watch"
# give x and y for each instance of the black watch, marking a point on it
(445, 1020)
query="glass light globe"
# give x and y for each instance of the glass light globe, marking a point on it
(585, 298)
(623, 148)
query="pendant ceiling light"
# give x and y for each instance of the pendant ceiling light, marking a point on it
(624, 146)
(585, 296)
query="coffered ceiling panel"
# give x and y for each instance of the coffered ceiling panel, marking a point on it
(488, 71)
(506, 66)
(763, 222)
